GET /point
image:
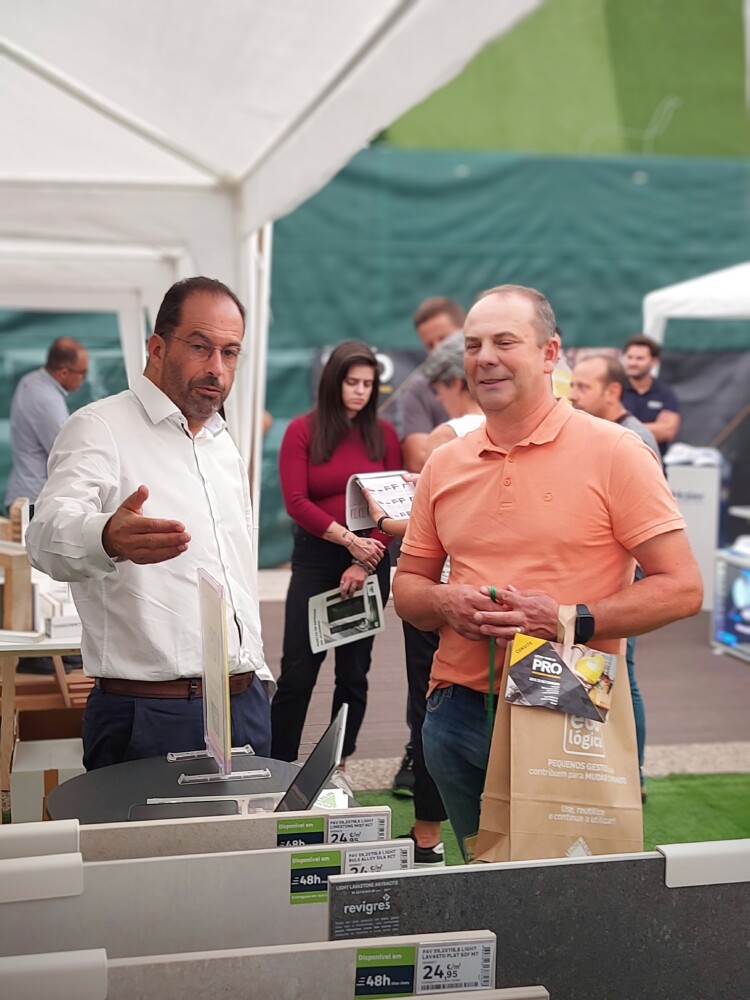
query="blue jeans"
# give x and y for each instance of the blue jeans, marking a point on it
(456, 746)
(117, 728)
(638, 710)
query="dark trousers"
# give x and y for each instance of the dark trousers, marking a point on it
(117, 727)
(420, 648)
(317, 566)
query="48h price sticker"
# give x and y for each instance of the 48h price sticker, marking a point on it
(385, 972)
(450, 967)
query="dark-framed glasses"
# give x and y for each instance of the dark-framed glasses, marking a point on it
(202, 352)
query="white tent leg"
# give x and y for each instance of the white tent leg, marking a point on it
(260, 260)
(246, 402)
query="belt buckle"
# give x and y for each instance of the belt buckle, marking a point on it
(193, 687)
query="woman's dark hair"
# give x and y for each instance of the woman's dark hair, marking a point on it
(330, 424)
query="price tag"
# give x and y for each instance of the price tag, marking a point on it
(376, 859)
(309, 873)
(384, 972)
(451, 967)
(356, 829)
(300, 832)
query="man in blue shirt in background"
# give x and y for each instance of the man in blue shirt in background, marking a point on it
(38, 411)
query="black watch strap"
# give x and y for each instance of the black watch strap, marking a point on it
(585, 624)
(379, 525)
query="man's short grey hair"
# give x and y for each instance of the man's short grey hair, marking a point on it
(446, 362)
(544, 322)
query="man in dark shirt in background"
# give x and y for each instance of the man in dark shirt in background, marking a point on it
(434, 320)
(649, 399)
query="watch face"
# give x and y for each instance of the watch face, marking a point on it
(584, 625)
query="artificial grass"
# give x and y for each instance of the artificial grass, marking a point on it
(687, 808)
(680, 809)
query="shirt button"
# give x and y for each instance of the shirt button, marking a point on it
(511, 458)
(506, 482)
(547, 497)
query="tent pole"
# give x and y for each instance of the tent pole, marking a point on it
(255, 287)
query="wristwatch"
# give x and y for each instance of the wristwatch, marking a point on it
(585, 624)
(379, 525)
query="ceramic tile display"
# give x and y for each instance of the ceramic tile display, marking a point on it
(588, 928)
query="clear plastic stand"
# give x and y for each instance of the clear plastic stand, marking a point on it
(201, 754)
(204, 779)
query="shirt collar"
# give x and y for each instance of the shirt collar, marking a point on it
(53, 380)
(543, 433)
(160, 407)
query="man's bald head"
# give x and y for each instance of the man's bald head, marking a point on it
(68, 363)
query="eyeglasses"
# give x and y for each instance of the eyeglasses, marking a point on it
(230, 356)
(83, 372)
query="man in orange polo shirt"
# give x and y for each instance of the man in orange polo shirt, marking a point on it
(548, 505)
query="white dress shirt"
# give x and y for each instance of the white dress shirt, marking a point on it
(142, 622)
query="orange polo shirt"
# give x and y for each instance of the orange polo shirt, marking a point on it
(559, 512)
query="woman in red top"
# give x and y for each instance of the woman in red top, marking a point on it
(320, 451)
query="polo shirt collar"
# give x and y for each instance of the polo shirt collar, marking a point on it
(543, 433)
(159, 406)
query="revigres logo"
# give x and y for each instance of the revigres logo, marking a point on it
(368, 907)
(584, 737)
(545, 665)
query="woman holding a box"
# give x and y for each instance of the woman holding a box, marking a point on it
(341, 437)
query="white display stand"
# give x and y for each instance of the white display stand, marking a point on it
(325, 970)
(30, 760)
(225, 834)
(193, 903)
(322, 969)
(10, 653)
(66, 975)
(696, 490)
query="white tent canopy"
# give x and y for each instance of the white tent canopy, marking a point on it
(144, 141)
(721, 294)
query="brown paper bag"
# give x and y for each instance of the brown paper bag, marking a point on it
(558, 785)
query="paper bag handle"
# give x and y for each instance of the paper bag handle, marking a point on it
(566, 624)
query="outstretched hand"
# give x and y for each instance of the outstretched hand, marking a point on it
(130, 535)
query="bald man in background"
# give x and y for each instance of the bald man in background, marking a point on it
(37, 412)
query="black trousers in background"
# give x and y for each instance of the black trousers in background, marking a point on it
(420, 648)
(317, 565)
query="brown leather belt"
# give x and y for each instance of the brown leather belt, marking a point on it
(184, 687)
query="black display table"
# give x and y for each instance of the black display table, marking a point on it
(106, 794)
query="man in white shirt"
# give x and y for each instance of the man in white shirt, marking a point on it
(145, 488)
